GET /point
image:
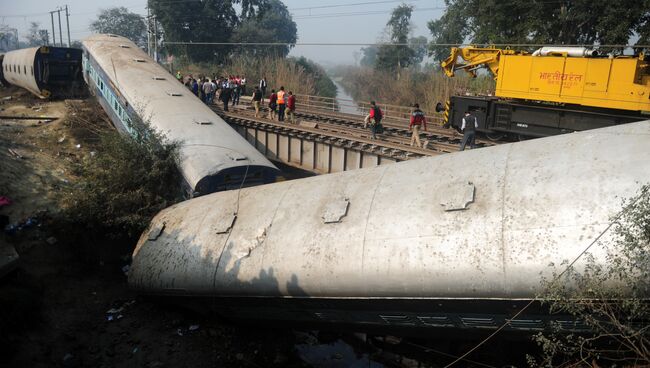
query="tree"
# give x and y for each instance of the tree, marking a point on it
(610, 299)
(36, 36)
(8, 39)
(547, 22)
(419, 46)
(369, 55)
(211, 23)
(273, 24)
(398, 54)
(119, 21)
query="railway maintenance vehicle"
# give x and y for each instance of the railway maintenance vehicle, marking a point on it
(551, 91)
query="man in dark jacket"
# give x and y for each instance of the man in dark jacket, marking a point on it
(469, 126)
(225, 97)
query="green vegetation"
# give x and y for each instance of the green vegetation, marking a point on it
(120, 21)
(540, 22)
(274, 25)
(121, 188)
(218, 21)
(299, 75)
(611, 299)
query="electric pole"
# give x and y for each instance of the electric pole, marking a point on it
(53, 32)
(155, 37)
(148, 33)
(67, 23)
(60, 31)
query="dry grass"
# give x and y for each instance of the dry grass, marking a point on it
(425, 88)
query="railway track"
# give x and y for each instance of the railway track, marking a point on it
(332, 134)
(394, 137)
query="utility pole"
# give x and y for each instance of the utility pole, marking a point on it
(67, 23)
(148, 33)
(60, 31)
(53, 32)
(155, 36)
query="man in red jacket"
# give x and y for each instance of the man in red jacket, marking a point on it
(417, 120)
(291, 108)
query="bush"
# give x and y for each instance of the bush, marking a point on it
(121, 188)
(610, 298)
(301, 76)
(426, 87)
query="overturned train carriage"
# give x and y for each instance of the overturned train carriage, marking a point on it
(131, 87)
(45, 71)
(458, 240)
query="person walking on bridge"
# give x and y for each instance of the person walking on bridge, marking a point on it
(282, 103)
(469, 126)
(291, 107)
(257, 98)
(273, 104)
(374, 120)
(417, 120)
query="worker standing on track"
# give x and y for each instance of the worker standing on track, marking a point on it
(469, 126)
(273, 104)
(243, 85)
(257, 98)
(263, 87)
(374, 120)
(225, 95)
(291, 107)
(179, 76)
(417, 120)
(282, 103)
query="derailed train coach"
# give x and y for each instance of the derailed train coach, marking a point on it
(45, 71)
(454, 241)
(132, 87)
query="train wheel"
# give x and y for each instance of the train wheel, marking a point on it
(494, 136)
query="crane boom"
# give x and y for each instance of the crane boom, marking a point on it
(473, 59)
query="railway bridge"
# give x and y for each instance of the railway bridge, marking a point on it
(325, 140)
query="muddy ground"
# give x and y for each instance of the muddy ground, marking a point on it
(62, 309)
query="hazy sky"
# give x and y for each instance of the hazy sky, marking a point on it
(316, 22)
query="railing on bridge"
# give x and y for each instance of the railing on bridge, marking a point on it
(392, 112)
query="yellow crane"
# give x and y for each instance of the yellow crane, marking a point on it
(552, 90)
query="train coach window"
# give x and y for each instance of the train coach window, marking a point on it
(125, 46)
(32, 70)
(159, 78)
(140, 60)
(25, 69)
(174, 94)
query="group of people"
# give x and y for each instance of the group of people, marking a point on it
(283, 105)
(418, 121)
(226, 89)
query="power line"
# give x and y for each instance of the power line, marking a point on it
(371, 12)
(431, 44)
(349, 5)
